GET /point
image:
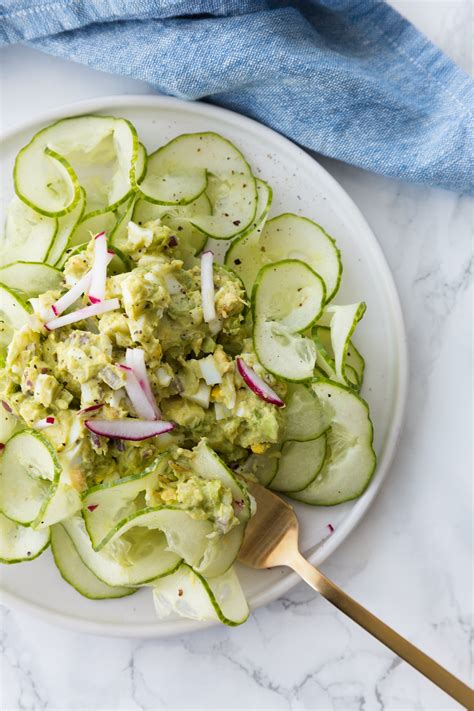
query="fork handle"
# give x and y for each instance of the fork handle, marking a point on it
(385, 634)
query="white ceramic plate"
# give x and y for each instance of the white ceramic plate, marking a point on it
(302, 186)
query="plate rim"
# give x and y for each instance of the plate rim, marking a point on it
(291, 579)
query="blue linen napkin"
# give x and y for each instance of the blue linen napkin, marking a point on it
(350, 79)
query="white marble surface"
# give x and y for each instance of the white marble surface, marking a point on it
(410, 560)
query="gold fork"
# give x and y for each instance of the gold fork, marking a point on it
(271, 539)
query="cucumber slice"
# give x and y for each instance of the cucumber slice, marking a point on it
(32, 278)
(287, 355)
(75, 572)
(208, 465)
(8, 425)
(244, 254)
(327, 372)
(105, 222)
(140, 557)
(172, 176)
(325, 368)
(287, 297)
(290, 293)
(28, 235)
(145, 211)
(343, 323)
(354, 367)
(188, 594)
(97, 152)
(264, 203)
(305, 418)
(63, 503)
(107, 507)
(140, 166)
(351, 460)
(288, 237)
(180, 171)
(221, 552)
(14, 314)
(66, 226)
(325, 319)
(187, 537)
(233, 197)
(299, 465)
(263, 466)
(119, 233)
(19, 544)
(352, 378)
(355, 361)
(293, 237)
(177, 218)
(29, 472)
(111, 511)
(324, 361)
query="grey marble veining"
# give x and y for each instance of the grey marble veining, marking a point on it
(410, 559)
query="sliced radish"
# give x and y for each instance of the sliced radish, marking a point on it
(135, 392)
(208, 296)
(99, 269)
(76, 291)
(45, 313)
(129, 428)
(257, 385)
(91, 408)
(81, 314)
(44, 423)
(135, 359)
(72, 295)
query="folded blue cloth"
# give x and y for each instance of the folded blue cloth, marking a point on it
(350, 79)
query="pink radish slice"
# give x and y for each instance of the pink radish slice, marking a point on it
(76, 291)
(138, 398)
(129, 428)
(135, 358)
(91, 408)
(99, 269)
(257, 385)
(72, 295)
(45, 313)
(80, 314)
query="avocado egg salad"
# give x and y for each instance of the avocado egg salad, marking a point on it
(144, 381)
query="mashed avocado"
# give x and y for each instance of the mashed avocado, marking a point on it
(191, 370)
